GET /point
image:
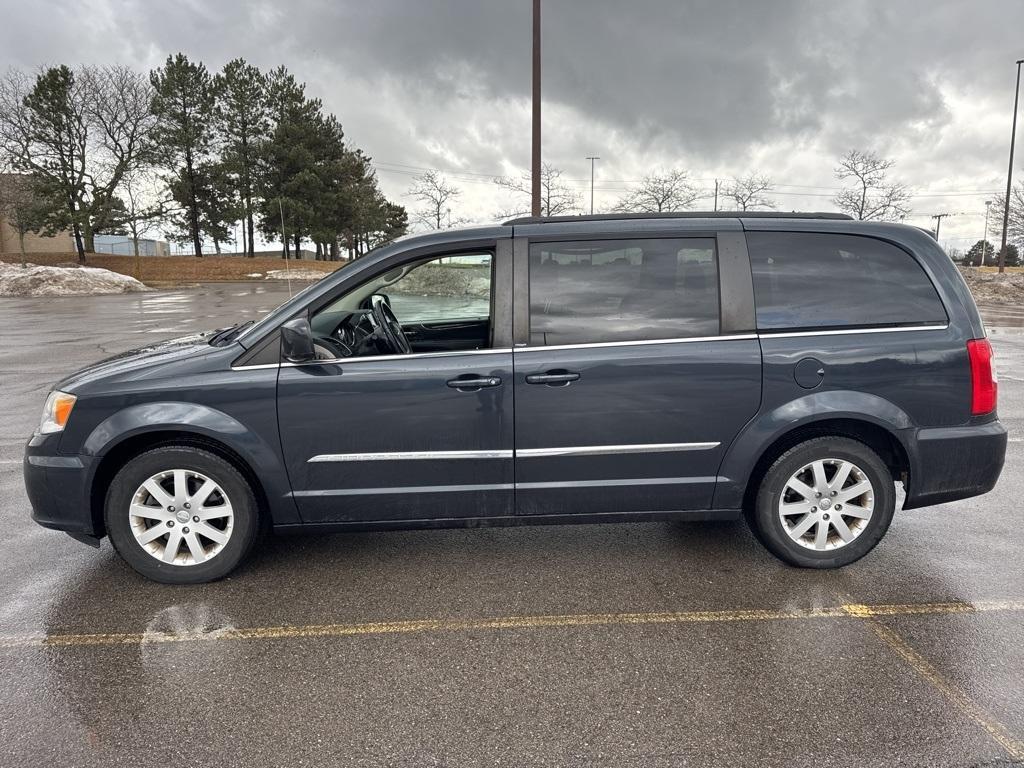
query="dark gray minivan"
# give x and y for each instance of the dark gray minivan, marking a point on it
(791, 368)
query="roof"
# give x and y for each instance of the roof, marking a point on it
(681, 215)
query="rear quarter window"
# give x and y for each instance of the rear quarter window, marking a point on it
(806, 280)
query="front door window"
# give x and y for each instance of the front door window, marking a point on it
(440, 305)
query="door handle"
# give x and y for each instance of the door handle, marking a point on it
(474, 383)
(553, 378)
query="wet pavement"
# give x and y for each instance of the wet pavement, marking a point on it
(622, 645)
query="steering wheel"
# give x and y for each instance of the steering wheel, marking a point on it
(385, 319)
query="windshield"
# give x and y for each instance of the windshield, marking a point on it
(284, 308)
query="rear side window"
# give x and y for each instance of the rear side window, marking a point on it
(808, 280)
(622, 290)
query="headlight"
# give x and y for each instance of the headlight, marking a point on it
(56, 412)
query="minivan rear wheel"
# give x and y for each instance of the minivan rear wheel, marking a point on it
(824, 503)
(181, 515)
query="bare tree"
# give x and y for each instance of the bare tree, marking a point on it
(871, 196)
(79, 133)
(436, 195)
(556, 198)
(661, 192)
(1015, 226)
(22, 206)
(44, 130)
(120, 110)
(143, 207)
(749, 192)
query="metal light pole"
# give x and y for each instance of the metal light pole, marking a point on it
(592, 158)
(1009, 173)
(535, 159)
(984, 240)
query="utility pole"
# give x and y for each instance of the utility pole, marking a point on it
(984, 240)
(938, 223)
(1009, 173)
(535, 159)
(592, 158)
(716, 194)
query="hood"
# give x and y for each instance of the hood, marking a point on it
(135, 360)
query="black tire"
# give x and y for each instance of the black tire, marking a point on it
(768, 527)
(134, 473)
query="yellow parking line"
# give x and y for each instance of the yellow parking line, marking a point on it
(848, 611)
(999, 732)
(419, 625)
(910, 609)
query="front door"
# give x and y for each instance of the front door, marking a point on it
(372, 435)
(627, 391)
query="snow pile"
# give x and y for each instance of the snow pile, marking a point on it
(35, 280)
(295, 274)
(991, 287)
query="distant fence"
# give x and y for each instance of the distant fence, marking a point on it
(123, 246)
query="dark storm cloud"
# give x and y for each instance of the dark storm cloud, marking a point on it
(712, 75)
(707, 85)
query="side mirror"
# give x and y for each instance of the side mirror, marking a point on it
(297, 341)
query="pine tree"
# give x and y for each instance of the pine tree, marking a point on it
(980, 254)
(290, 184)
(243, 120)
(184, 102)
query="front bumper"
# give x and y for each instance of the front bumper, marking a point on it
(950, 463)
(59, 488)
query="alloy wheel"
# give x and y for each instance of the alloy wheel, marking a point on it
(181, 517)
(826, 504)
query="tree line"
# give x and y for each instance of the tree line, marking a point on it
(190, 153)
(109, 150)
(868, 194)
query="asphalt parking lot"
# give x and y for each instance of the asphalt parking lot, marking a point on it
(620, 645)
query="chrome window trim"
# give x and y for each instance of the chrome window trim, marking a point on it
(374, 358)
(851, 331)
(577, 450)
(598, 344)
(260, 367)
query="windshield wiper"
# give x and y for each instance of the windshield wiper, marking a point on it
(227, 335)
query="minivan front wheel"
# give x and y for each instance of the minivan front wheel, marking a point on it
(181, 515)
(824, 503)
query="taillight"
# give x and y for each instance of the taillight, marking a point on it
(983, 377)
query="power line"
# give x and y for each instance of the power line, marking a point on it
(616, 185)
(407, 168)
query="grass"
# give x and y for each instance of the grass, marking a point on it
(177, 270)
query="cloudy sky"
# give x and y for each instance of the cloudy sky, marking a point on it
(717, 88)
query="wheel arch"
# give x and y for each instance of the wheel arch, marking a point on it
(879, 439)
(871, 420)
(130, 447)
